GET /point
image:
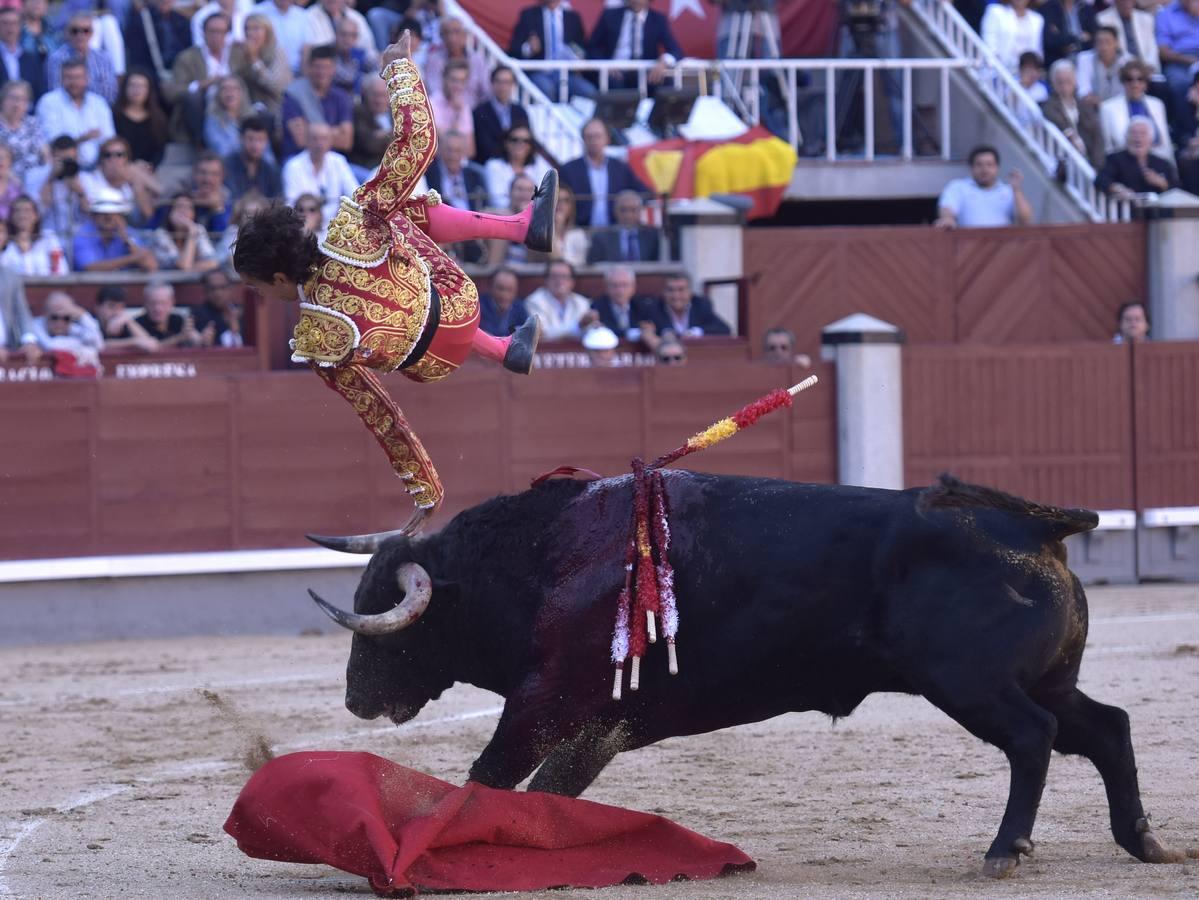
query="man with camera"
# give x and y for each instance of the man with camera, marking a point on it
(59, 190)
(870, 30)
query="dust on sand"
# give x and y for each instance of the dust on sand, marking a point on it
(118, 777)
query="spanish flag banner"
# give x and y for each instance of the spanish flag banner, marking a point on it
(756, 164)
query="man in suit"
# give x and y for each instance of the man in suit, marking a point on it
(495, 115)
(1135, 169)
(684, 314)
(550, 31)
(197, 69)
(1099, 68)
(1116, 113)
(634, 32)
(462, 185)
(596, 179)
(1065, 32)
(1077, 121)
(500, 311)
(15, 63)
(621, 310)
(1135, 29)
(628, 240)
(16, 322)
(155, 36)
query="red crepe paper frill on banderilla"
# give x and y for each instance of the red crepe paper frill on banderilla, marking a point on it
(647, 599)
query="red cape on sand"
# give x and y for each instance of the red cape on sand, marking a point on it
(404, 830)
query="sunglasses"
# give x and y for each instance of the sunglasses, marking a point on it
(777, 348)
(308, 209)
(78, 30)
(57, 317)
(113, 154)
(672, 358)
(1135, 79)
(520, 140)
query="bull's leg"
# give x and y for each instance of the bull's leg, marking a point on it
(1101, 734)
(1025, 733)
(530, 728)
(573, 766)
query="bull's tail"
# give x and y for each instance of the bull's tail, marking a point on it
(950, 493)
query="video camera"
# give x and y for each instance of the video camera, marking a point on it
(864, 19)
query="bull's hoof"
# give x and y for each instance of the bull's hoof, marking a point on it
(1000, 866)
(1156, 852)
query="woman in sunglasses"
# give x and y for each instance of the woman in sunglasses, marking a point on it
(377, 294)
(520, 158)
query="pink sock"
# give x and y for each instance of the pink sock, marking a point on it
(486, 345)
(447, 224)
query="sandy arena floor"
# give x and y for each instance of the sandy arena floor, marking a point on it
(118, 774)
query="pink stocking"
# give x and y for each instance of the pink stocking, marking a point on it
(447, 224)
(490, 347)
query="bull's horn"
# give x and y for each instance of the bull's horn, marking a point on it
(418, 589)
(369, 543)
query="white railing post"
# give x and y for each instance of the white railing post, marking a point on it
(908, 108)
(944, 114)
(868, 110)
(793, 108)
(830, 114)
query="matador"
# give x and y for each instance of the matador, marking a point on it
(377, 294)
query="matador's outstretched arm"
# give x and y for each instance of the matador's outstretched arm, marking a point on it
(362, 388)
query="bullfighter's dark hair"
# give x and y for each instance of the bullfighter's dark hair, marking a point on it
(274, 241)
(980, 150)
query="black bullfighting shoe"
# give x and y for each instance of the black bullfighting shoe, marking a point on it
(522, 346)
(540, 236)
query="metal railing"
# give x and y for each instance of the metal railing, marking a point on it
(1055, 151)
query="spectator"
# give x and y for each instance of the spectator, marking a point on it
(100, 76)
(136, 184)
(1134, 29)
(117, 325)
(496, 115)
(214, 205)
(181, 243)
(107, 36)
(595, 178)
(75, 111)
(350, 61)
(520, 158)
(155, 35)
(563, 313)
(671, 352)
(373, 129)
(139, 118)
(262, 66)
(1099, 68)
(982, 200)
(37, 37)
(601, 343)
(21, 132)
(196, 70)
(309, 206)
(684, 314)
(1010, 28)
(1132, 322)
(218, 320)
(1178, 40)
(570, 241)
(1077, 121)
(452, 108)
(234, 12)
(388, 20)
(1135, 169)
(778, 347)
(66, 326)
(1065, 30)
(59, 188)
(323, 18)
(628, 240)
(290, 24)
(247, 169)
(16, 322)
(500, 312)
(502, 251)
(104, 244)
(460, 182)
(1029, 74)
(426, 14)
(227, 106)
(622, 311)
(164, 323)
(551, 31)
(320, 170)
(452, 49)
(247, 205)
(634, 32)
(15, 63)
(1116, 113)
(316, 99)
(30, 251)
(10, 187)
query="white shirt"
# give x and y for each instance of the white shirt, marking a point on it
(107, 36)
(499, 174)
(38, 261)
(59, 114)
(216, 67)
(330, 184)
(558, 320)
(12, 61)
(555, 45)
(1096, 78)
(237, 28)
(94, 182)
(291, 29)
(320, 29)
(632, 30)
(978, 207)
(1009, 35)
(598, 177)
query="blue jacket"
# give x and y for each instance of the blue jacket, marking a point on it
(620, 178)
(656, 37)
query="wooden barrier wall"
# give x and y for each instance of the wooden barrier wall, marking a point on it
(257, 460)
(976, 286)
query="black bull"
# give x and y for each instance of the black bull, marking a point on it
(791, 597)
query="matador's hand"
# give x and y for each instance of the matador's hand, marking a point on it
(401, 49)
